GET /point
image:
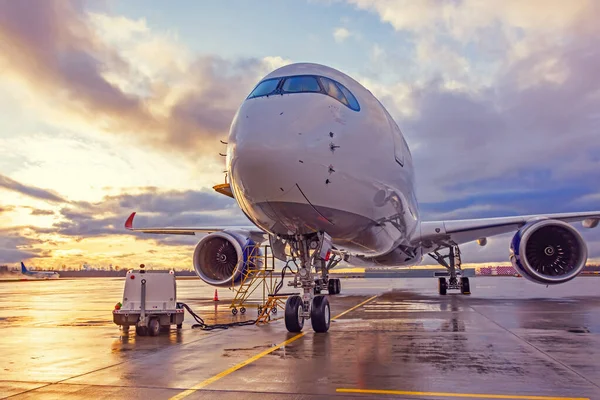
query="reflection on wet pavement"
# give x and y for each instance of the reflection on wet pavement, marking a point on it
(509, 337)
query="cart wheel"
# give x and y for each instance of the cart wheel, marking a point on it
(234, 311)
(179, 326)
(141, 330)
(274, 310)
(125, 328)
(260, 310)
(243, 310)
(153, 327)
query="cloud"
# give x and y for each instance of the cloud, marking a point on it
(340, 34)
(103, 70)
(158, 208)
(36, 211)
(507, 136)
(17, 244)
(83, 229)
(465, 19)
(6, 209)
(31, 191)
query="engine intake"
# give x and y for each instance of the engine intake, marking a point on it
(223, 258)
(548, 252)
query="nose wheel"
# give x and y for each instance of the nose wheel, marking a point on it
(320, 314)
(314, 252)
(294, 318)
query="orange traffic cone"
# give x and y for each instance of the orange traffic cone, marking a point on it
(216, 297)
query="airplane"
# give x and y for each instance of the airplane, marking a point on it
(39, 274)
(324, 174)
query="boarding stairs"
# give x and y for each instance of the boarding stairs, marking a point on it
(273, 303)
(258, 276)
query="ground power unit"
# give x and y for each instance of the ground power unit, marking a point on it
(149, 303)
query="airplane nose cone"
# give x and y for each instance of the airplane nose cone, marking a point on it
(263, 174)
(281, 141)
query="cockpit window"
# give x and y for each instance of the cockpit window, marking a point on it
(265, 88)
(306, 84)
(351, 99)
(333, 90)
(296, 84)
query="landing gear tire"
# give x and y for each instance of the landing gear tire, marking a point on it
(320, 314)
(153, 327)
(465, 287)
(294, 321)
(338, 286)
(442, 286)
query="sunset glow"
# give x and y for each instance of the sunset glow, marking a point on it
(113, 107)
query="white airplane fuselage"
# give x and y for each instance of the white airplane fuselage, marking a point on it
(305, 162)
(42, 275)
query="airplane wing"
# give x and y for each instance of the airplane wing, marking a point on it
(189, 231)
(435, 233)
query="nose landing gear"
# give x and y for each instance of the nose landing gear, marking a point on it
(313, 252)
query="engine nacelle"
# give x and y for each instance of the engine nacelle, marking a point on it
(548, 252)
(223, 258)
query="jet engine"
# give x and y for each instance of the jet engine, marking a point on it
(548, 252)
(223, 258)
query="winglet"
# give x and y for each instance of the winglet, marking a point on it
(23, 268)
(129, 222)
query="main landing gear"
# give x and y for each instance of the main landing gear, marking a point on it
(314, 253)
(452, 262)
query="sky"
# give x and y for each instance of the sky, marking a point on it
(109, 107)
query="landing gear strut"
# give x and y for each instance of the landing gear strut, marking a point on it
(313, 252)
(452, 262)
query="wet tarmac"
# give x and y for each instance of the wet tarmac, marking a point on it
(510, 339)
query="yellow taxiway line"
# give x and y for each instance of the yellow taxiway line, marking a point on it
(250, 360)
(462, 395)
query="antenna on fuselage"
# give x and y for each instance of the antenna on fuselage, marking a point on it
(221, 154)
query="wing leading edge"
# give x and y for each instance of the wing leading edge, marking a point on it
(467, 230)
(188, 231)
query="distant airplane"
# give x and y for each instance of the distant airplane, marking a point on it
(39, 274)
(324, 173)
